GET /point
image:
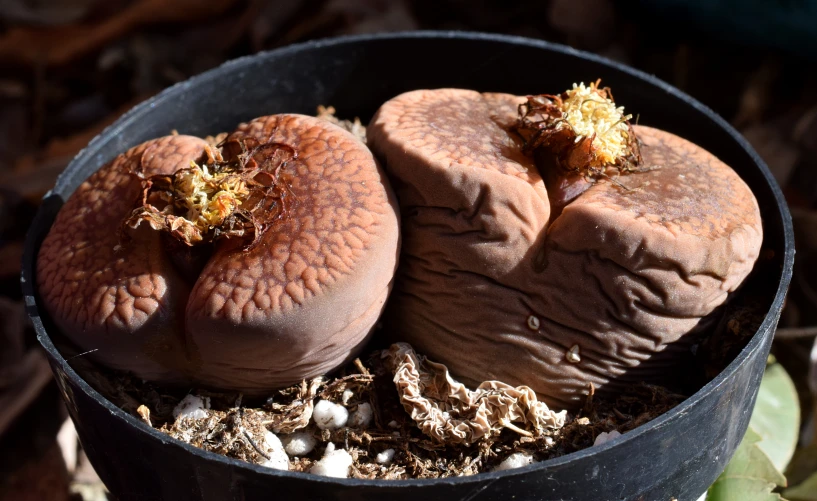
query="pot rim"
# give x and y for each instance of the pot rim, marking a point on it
(768, 324)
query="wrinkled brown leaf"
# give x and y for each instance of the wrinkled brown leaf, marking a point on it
(452, 414)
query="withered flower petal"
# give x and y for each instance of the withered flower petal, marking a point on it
(583, 128)
(214, 198)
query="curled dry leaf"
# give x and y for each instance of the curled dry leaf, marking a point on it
(450, 413)
(583, 129)
(297, 413)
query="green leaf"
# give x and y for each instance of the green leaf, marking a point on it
(755, 469)
(807, 491)
(776, 417)
(750, 476)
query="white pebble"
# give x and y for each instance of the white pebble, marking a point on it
(573, 355)
(393, 424)
(346, 396)
(299, 443)
(533, 323)
(362, 417)
(329, 415)
(192, 407)
(605, 437)
(275, 450)
(385, 457)
(515, 460)
(334, 463)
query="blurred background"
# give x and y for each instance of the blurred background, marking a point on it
(69, 68)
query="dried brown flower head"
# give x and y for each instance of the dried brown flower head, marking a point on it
(215, 198)
(583, 128)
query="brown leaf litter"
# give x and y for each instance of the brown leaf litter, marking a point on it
(447, 411)
(235, 427)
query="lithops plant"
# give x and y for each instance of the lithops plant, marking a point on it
(558, 246)
(273, 258)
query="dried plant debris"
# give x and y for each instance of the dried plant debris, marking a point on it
(234, 191)
(450, 413)
(214, 141)
(354, 126)
(625, 412)
(583, 129)
(236, 432)
(377, 427)
(297, 412)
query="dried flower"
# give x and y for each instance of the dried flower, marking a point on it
(583, 128)
(216, 198)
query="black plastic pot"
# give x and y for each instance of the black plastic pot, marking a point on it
(677, 455)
